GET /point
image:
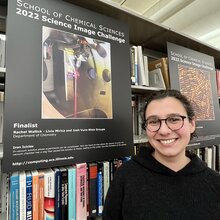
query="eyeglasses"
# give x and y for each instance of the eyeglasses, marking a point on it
(173, 122)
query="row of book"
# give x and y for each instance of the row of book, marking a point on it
(210, 155)
(148, 73)
(138, 103)
(74, 192)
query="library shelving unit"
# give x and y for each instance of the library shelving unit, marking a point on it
(152, 36)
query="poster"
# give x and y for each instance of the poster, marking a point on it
(68, 94)
(193, 73)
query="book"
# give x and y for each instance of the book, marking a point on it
(106, 178)
(22, 195)
(2, 49)
(146, 69)
(58, 204)
(71, 192)
(41, 195)
(161, 63)
(142, 75)
(156, 79)
(35, 194)
(81, 206)
(14, 196)
(132, 65)
(64, 193)
(100, 189)
(218, 81)
(49, 194)
(28, 195)
(5, 195)
(92, 187)
(214, 157)
(135, 65)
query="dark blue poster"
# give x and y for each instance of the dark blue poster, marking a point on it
(193, 73)
(68, 95)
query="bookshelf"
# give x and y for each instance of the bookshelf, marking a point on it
(152, 36)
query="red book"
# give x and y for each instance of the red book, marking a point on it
(92, 187)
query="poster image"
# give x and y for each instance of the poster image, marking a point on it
(193, 73)
(195, 84)
(76, 76)
(68, 71)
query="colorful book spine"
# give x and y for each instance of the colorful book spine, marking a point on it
(81, 206)
(92, 187)
(99, 190)
(64, 193)
(41, 195)
(35, 194)
(22, 194)
(49, 194)
(14, 196)
(71, 193)
(57, 193)
(28, 195)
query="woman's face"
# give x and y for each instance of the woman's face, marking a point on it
(168, 143)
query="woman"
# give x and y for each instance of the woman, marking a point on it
(164, 181)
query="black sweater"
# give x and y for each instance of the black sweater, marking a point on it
(144, 189)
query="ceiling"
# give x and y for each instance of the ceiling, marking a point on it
(199, 19)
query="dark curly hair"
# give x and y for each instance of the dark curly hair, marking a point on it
(161, 94)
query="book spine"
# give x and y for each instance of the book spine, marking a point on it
(64, 193)
(99, 192)
(71, 193)
(132, 66)
(22, 194)
(134, 48)
(49, 194)
(14, 196)
(92, 187)
(57, 194)
(106, 178)
(5, 194)
(41, 196)
(81, 206)
(28, 196)
(35, 194)
(218, 81)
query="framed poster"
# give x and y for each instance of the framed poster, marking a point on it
(193, 73)
(68, 70)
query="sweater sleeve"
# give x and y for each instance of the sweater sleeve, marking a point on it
(113, 202)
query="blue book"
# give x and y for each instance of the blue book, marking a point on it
(28, 195)
(14, 196)
(58, 205)
(71, 193)
(99, 190)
